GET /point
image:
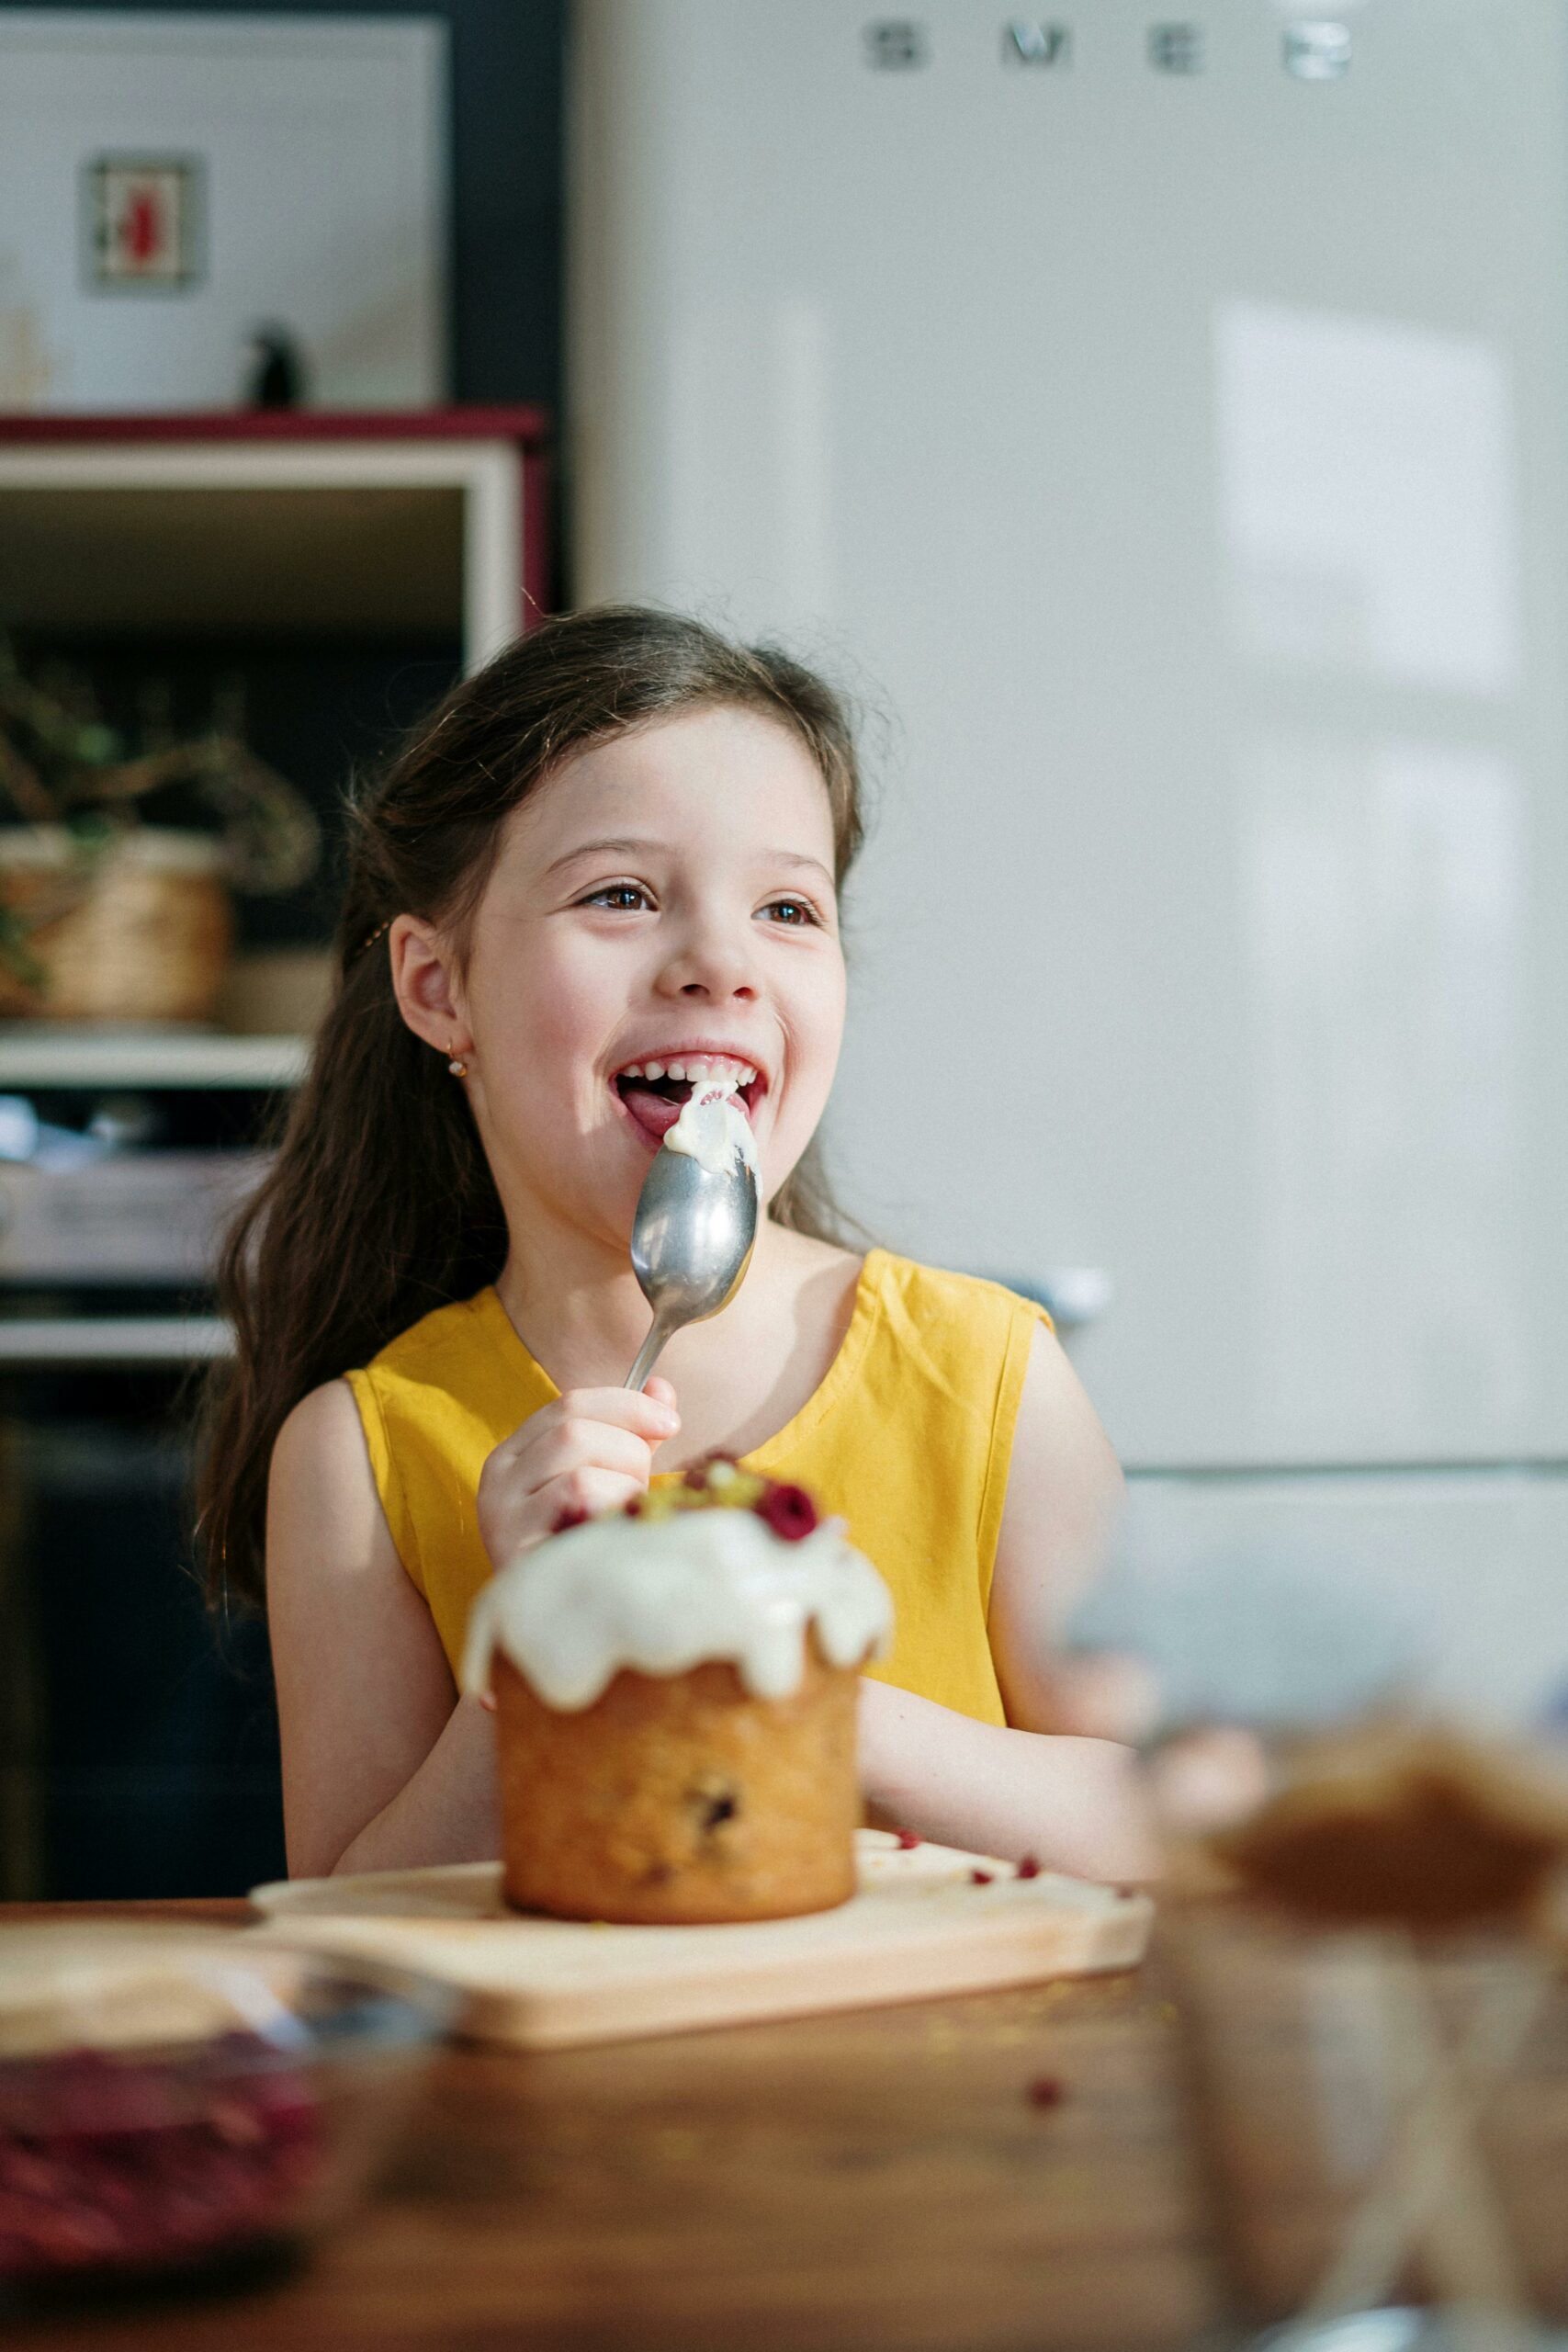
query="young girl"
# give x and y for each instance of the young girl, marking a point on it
(610, 862)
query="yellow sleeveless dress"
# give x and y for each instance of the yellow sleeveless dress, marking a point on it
(908, 1439)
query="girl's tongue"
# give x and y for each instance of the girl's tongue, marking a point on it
(654, 1112)
(657, 1104)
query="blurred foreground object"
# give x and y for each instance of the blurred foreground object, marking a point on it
(175, 2100)
(1409, 1826)
(1381, 2036)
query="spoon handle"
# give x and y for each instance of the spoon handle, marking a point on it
(648, 1353)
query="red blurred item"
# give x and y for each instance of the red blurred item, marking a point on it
(141, 231)
(109, 2164)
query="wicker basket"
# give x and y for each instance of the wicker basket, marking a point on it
(139, 931)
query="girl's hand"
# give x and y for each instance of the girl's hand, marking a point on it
(589, 1451)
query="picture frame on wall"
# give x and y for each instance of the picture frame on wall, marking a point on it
(144, 227)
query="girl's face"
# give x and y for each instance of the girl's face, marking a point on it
(663, 907)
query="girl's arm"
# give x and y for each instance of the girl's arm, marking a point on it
(1065, 1491)
(1076, 1804)
(1061, 1505)
(383, 1767)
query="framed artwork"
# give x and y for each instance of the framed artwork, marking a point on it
(143, 223)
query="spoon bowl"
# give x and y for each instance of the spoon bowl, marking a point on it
(691, 1242)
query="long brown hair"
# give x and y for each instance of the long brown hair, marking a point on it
(380, 1205)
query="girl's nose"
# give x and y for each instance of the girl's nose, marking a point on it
(712, 965)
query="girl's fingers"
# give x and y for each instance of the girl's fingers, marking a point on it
(1209, 1778)
(651, 1415)
(589, 1451)
(582, 1444)
(590, 1490)
(651, 1418)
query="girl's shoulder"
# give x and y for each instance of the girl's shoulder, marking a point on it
(907, 1292)
(458, 1378)
(939, 1302)
(936, 1347)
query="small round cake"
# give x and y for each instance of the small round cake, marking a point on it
(675, 1690)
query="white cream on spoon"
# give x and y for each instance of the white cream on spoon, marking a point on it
(712, 1128)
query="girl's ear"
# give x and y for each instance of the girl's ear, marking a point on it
(425, 982)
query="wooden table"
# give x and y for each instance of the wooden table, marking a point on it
(856, 2183)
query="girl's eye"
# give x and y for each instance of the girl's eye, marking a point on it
(795, 912)
(623, 897)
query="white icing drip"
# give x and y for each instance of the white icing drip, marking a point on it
(665, 1595)
(712, 1128)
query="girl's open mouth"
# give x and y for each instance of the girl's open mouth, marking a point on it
(655, 1093)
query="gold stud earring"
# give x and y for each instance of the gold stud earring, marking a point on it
(458, 1067)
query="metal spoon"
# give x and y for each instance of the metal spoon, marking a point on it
(692, 1241)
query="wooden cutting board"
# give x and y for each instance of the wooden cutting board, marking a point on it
(919, 1926)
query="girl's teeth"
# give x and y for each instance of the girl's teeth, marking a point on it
(741, 1074)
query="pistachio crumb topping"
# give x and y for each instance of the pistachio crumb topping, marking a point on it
(720, 1484)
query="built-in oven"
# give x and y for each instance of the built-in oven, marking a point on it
(138, 1740)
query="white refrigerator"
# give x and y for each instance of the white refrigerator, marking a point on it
(1164, 430)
